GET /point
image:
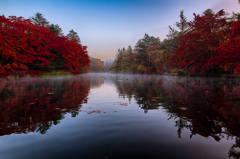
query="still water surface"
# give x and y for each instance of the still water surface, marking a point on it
(108, 116)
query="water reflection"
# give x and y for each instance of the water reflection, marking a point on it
(36, 104)
(205, 106)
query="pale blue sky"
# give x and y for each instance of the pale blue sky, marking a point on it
(106, 25)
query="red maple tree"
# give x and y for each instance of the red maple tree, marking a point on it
(24, 46)
(206, 33)
(228, 53)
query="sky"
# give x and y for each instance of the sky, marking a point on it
(106, 25)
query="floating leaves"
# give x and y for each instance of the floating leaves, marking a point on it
(63, 110)
(94, 111)
(183, 108)
(120, 103)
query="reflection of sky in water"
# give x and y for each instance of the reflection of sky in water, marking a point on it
(104, 93)
(108, 125)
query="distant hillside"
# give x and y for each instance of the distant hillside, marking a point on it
(108, 61)
(108, 64)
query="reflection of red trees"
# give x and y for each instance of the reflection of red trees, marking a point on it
(205, 107)
(226, 102)
(32, 104)
(211, 105)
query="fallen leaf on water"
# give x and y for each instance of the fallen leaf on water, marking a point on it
(98, 111)
(114, 111)
(183, 108)
(94, 111)
(119, 103)
(124, 104)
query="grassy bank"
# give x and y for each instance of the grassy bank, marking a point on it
(31, 73)
(55, 73)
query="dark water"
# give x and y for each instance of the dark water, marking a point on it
(101, 116)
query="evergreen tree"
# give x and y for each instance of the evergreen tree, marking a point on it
(142, 46)
(73, 35)
(208, 11)
(55, 29)
(171, 43)
(129, 50)
(183, 24)
(38, 19)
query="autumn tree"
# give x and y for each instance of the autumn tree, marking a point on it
(75, 55)
(142, 46)
(96, 65)
(228, 53)
(207, 32)
(118, 59)
(156, 57)
(24, 46)
(125, 60)
(128, 63)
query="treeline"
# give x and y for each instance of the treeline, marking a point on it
(208, 45)
(96, 65)
(31, 45)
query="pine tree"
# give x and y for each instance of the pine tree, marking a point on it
(183, 24)
(73, 35)
(38, 19)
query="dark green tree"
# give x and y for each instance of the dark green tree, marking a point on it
(38, 19)
(208, 11)
(55, 29)
(141, 48)
(73, 35)
(129, 50)
(183, 24)
(171, 43)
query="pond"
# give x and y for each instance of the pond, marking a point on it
(109, 116)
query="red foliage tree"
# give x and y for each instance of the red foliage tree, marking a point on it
(206, 33)
(229, 52)
(24, 45)
(74, 54)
